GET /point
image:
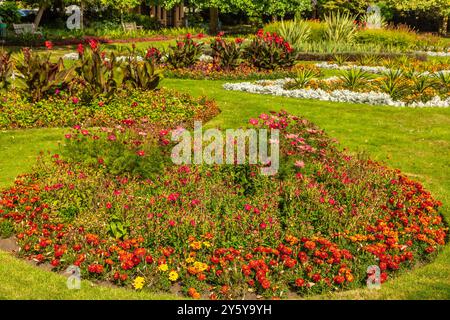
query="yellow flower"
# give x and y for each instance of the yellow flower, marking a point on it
(173, 275)
(190, 260)
(163, 267)
(138, 283)
(196, 245)
(206, 244)
(200, 266)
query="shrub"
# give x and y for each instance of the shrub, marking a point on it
(353, 78)
(269, 51)
(141, 74)
(9, 12)
(39, 75)
(185, 53)
(226, 54)
(295, 32)
(388, 38)
(340, 27)
(6, 69)
(6, 229)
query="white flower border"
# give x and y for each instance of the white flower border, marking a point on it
(371, 69)
(275, 87)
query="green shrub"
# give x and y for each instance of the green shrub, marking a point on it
(340, 27)
(387, 37)
(9, 12)
(147, 22)
(296, 32)
(6, 69)
(185, 53)
(6, 229)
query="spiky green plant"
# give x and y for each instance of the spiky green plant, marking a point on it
(340, 27)
(296, 32)
(354, 78)
(392, 84)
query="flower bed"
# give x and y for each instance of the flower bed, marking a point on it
(368, 91)
(221, 231)
(166, 107)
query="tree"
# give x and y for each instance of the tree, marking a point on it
(121, 5)
(440, 7)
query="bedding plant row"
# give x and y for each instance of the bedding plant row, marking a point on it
(220, 231)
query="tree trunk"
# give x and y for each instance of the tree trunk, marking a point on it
(213, 20)
(444, 26)
(39, 15)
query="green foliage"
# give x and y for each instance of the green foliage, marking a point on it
(6, 69)
(354, 78)
(69, 213)
(185, 53)
(9, 13)
(117, 228)
(226, 54)
(392, 83)
(6, 229)
(38, 75)
(340, 27)
(269, 51)
(304, 77)
(141, 74)
(403, 39)
(296, 32)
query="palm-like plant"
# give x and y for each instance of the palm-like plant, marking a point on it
(296, 32)
(392, 83)
(340, 27)
(421, 83)
(304, 77)
(354, 78)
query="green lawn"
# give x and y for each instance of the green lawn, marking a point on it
(417, 141)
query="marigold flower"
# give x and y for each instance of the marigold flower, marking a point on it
(138, 283)
(163, 267)
(173, 275)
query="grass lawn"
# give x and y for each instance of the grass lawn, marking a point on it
(417, 141)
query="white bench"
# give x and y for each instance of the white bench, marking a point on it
(131, 26)
(25, 28)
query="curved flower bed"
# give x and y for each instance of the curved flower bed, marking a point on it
(222, 231)
(166, 107)
(277, 88)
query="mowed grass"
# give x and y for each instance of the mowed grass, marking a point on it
(417, 141)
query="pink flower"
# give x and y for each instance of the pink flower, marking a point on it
(49, 45)
(68, 136)
(108, 205)
(163, 132)
(262, 225)
(253, 121)
(112, 137)
(140, 153)
(84, 132)
(75, 100)
(247, 207)
(171, 223)
(173, 197)
(299, 164)
(264, 116)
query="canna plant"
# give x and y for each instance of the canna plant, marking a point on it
(226, 54)
(100, 74)
(38, 75)
(6, 70)
(185, 53)
(140, 74)
(269, 51)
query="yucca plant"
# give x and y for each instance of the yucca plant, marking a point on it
(340, 27)
(367, 59)
(442, 79)
(296, 32)
(6, 70)
(38, 75)
(304, 76)
(392, 83)
(354, 78)
(340, 59)
(421, 83)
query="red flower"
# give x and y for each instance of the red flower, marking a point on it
(221, 34)
(55, 263)
(316, 277)
(140, 153)
(80, 49)
(188, 36)
(149, 259)
(338, 279)
(95, 268)
(93, 44)
(200, 35)
(299, 282)
(49, 45)
(262, 225)
(239, 40)
(265, 284)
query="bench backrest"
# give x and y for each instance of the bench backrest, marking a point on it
(24, 28)
(129, 26)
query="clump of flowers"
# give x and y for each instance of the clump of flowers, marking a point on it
(138, 283)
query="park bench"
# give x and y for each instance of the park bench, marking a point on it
(25, 28)
(131, 26)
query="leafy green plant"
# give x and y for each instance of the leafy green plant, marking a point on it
(367, 59)
(140, 74)
(421, 83)
(269, 51)
(226, 54)
(6, 69)
(442, 78)
(100, 74)
(340, 59)
(340, 27)
(38, 75)
(117, 228)
(296, 32)
(185, 53)
(304, 77)
(392, 83)
(354, 78)
(6, 229)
